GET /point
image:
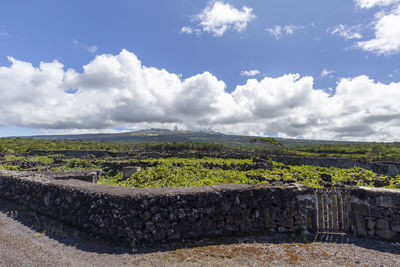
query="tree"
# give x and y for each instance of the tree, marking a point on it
(377, 151)
(2, 147)
(268, 143)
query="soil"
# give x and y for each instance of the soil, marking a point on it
(28, 239)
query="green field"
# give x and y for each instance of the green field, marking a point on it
(191, 172)
(187, 170)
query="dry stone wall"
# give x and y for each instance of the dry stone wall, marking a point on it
(375, 213)
(151, 216)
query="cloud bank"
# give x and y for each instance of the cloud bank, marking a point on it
(119, 91)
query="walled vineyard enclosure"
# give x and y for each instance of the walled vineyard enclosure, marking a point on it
(151, 216)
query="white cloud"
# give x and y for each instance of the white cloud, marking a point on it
(373, 3)
(189, 30)
(89, 48)
(92, 48)
(275, 31)
(385, 24)
(289, 29)
(279, 31)
(186, 30)
(347, 32)
(387, 34)
(249, 72)
(326, 72)
(118, 91)
(218, 17)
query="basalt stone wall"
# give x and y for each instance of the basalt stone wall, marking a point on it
(384, 168)
(141, 154)
(153, 216)
(79, 153)
(375, 213)
(84, 175)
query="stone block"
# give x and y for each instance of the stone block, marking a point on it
(371, 224)
(360, 225)
(371, 232)
(282, 229)
(360, 209)
(384, 201)
(396, 226)
(128, 171)
(382, 224)
(245, 227)
(375, 212)
(238, 220)
(386, 234)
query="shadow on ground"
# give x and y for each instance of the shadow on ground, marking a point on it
(81, 240)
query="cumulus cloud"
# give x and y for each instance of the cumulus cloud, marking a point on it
(373, 3)
(347, 32)
(326, 72)
(190, 30)
(275, 31)
(186, 30)
(89, 48)
(387, 34)
(218, 17)
(279, 31)
(119, 91)
(385, 24)
(249, 72)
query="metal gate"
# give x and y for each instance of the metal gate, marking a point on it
(332, 206)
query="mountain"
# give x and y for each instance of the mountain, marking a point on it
(163, 135)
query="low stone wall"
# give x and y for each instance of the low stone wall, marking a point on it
(152, 216)
(375, 213)
(83, 175)
(79, 153)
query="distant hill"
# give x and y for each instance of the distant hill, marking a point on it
(163, 136)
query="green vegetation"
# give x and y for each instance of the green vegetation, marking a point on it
(191, 172)
(266, 140)
(365, 151)
(22, 145)
(216, 143)
(195, 161)
(192, 168)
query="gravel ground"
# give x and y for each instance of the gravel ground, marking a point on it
(28, 239)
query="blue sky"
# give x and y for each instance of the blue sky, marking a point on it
(294, 49)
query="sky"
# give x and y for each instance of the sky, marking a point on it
(284, 68)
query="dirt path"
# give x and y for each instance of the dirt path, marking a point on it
(27, 239)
